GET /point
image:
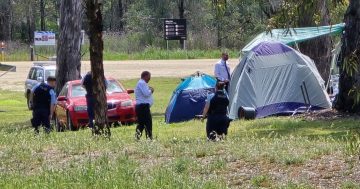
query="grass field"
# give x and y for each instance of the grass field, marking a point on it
(111, 55)
(266, 153)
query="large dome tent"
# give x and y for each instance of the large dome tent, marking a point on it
(271, 78)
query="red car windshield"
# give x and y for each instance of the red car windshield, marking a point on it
(112, 87)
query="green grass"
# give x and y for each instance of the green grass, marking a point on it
(112, 55)
(179, 157)
(160, 54)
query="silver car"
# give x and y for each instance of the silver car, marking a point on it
(38, 73)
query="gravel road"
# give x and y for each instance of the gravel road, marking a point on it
(121, 70)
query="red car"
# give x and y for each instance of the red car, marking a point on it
(71, 110)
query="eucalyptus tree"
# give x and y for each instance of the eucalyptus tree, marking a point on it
(5, 19)
(95, 31)
(68, 47)
(348, 99)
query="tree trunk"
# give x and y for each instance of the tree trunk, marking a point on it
(68, 51)
(94, 16)
(349, 83)
(42, 15)
(5, 21)
(121, 15)
(11, 25)
(181, 16)
(30, 21)
(317, 49)
(220, 8)
(218, 28)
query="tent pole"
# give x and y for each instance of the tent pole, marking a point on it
(297, 46)
(303, 94)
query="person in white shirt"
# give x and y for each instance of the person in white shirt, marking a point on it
(144, 100)
(222, 70)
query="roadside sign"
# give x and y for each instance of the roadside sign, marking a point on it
(44, 38)
(2, 51)
(175, 29)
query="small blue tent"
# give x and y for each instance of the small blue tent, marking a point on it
(189, 98)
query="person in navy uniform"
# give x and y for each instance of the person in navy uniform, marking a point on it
(87, 84)
(43, 101)
(216, 112)
(144, 100)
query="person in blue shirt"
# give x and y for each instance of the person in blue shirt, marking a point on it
(144, 100)
(43, 101)
(216, 112)
(222, 70)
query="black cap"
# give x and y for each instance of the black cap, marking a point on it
(51, 78)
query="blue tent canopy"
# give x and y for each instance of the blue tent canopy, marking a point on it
(188, 99)
(294, 35)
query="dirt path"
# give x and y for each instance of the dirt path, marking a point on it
(122, 70)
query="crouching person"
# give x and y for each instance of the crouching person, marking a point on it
(43, 100)
(216, 112)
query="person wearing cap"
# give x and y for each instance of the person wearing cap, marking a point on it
(216, 112)
(222, 70)
(43, 101)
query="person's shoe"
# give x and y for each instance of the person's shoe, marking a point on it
(36, 132)
(137, 135)
(149, 138)
(213, 136)
(47, 131)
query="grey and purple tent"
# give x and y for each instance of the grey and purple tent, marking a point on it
(274, 79)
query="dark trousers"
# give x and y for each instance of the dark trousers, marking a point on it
(144, 120)
(216, 125)
(41, 117)
(90, 110)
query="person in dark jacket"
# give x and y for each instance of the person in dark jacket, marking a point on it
(88, 84)
(43, 101)
(216, 112)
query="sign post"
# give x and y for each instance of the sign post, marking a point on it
(42, 38)
(2, 49)
(175, 29)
